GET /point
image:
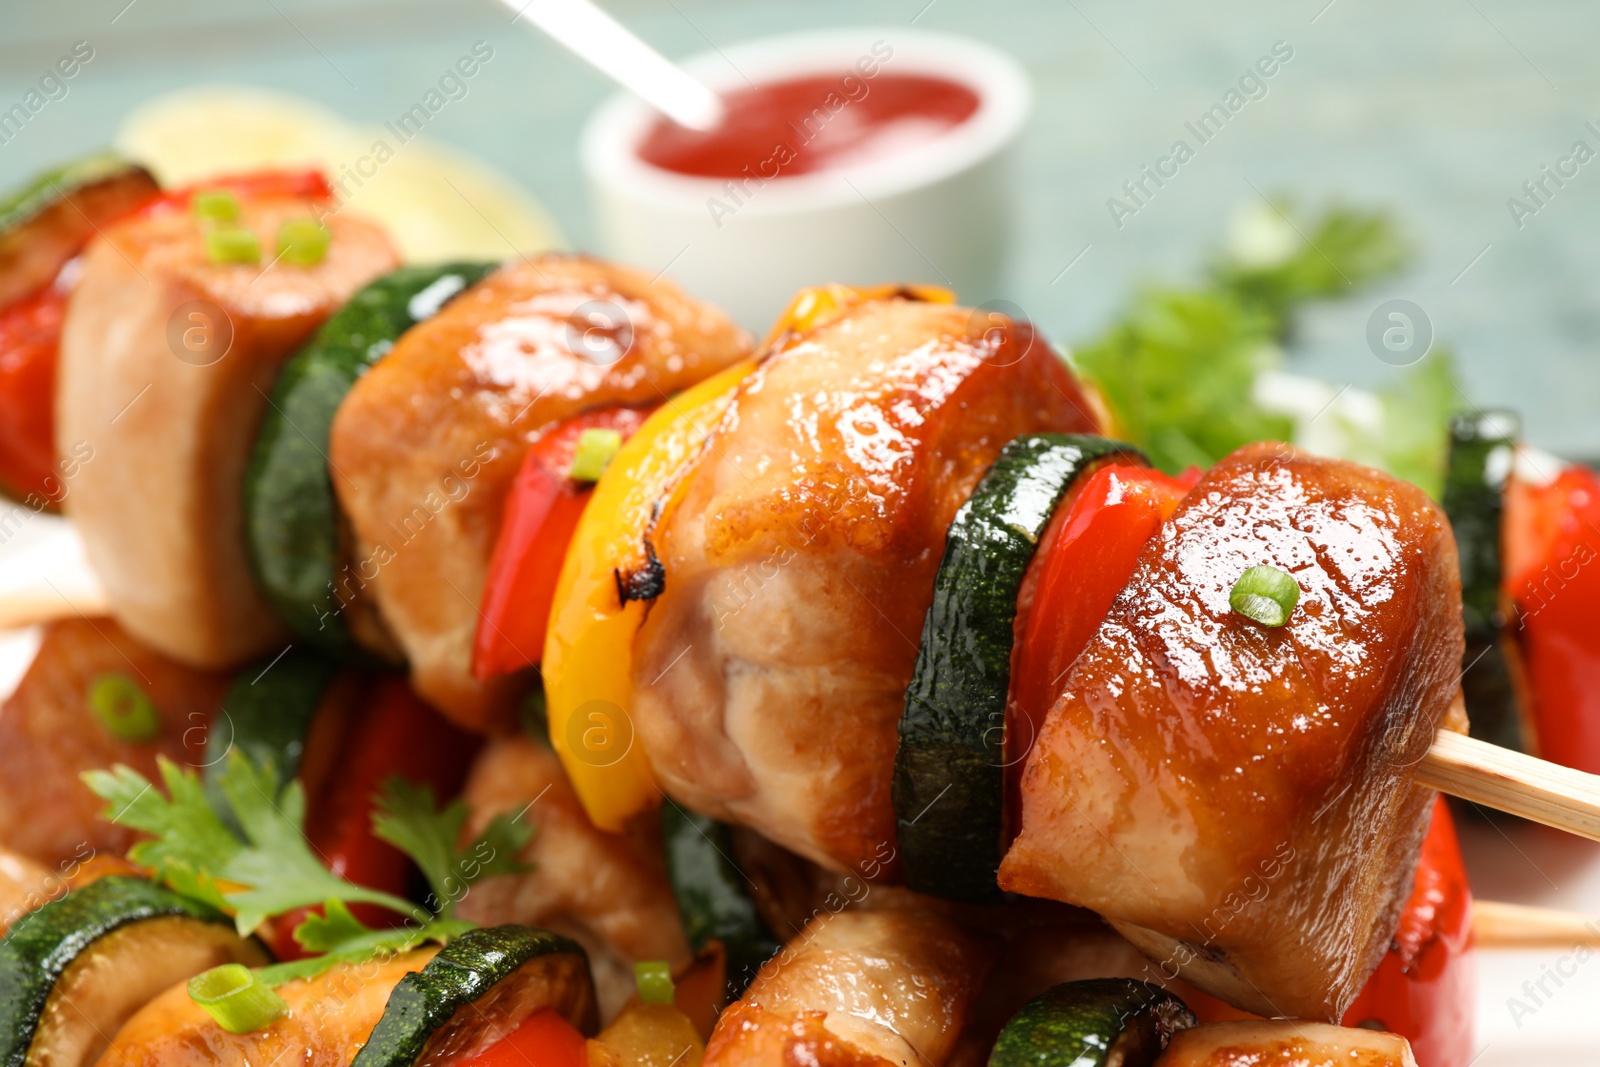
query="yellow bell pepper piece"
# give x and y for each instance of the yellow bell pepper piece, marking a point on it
(588, 649)
(647, 1035)
(821, 304)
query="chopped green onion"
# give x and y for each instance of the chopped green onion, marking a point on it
(654, 980)
(303, 242)
(123, 708)
(1265, 594)
(232, 246)
(216, 206)
(237, 998)
(595, 451)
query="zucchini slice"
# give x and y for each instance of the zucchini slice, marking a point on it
(267, 715)
(1482, 449)
(291, 513)
(477, 988)
(73, 971)
(1103, 1022)
(711, 894)
(48, 220)
(949, 770)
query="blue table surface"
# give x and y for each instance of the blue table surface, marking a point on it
(1437, 109)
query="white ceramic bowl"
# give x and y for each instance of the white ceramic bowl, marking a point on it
(937, 213)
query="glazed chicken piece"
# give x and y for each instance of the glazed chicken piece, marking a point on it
(49, 735)
(426, 445)
(330, 1017)
(1285, 1044)
(857, 989)
(1236, 799)
(606, 891)
(166, 362)
(799, 559)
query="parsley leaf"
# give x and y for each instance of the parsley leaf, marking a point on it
(251, 857)
(339, 937)
(273, 869)
(1178, 370)
(1327, 256)
(189, 842)
(410, 820)
(1179, 367)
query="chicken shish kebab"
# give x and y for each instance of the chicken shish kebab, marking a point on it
(830, 479)
(168, 349)
(844, 597)
(1270, 742)
(481, 380)
(181, 316)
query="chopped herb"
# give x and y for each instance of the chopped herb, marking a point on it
(654, 980)
(232, 246)
(123, 708)
(193, 850)
(339, 937)
(303, 242)
(237, 998)
(1265, 595)
(1179, 367)
(408, 819)
(266, 868)
(595, 451)
(216, 205)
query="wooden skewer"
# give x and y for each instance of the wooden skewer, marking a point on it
(49, 580)
(32, 607)
(1511, 782)
(1497, 924)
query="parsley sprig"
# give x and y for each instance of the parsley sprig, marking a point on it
(267, 868)
(1178, 367)
(408, 819)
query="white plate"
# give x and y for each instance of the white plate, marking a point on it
(1517, 1025)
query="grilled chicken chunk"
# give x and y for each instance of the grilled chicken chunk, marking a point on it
(1285, 1044)
(166, 363)
(330, 1017)
(606, 891)
(49, 735)
(427, 443)
(857, 989)
(799, 559)
(1238, 800)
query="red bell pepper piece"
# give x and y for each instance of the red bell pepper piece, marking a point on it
(1551, 543)
(30, 334)
(543, 1039)
(542, 511)
(1425, 989)
(306, 184)
(1086, 556)
(394, 734)
(30, 337)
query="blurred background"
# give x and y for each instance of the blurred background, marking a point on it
(1437, 110)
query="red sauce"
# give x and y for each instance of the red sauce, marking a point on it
(822, 122)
